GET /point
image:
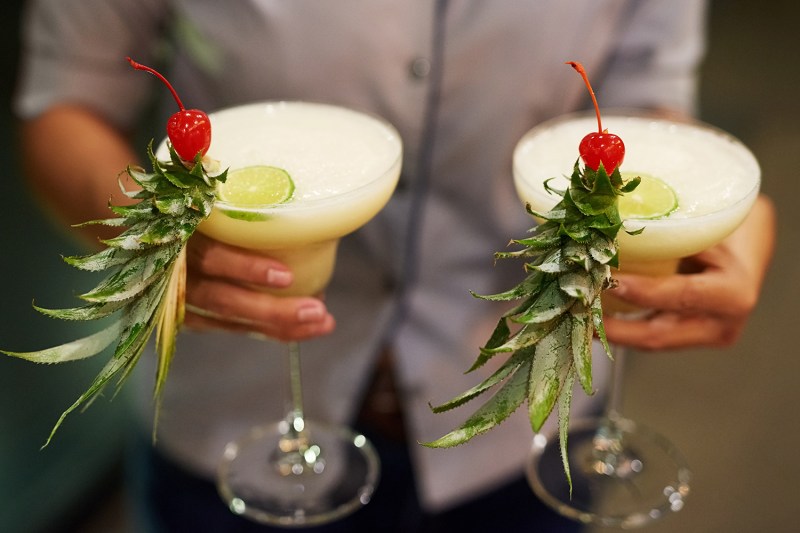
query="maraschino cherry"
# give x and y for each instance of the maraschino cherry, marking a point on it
(599, 147)
(189, 130)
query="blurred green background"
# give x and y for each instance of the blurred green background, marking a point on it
(731, 412)
(65, 482)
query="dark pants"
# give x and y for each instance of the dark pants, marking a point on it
(171, 500)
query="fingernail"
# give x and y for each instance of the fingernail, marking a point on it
(279, 278)
(312, 313)
(620, 289)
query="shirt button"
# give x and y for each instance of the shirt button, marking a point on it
(419, 68)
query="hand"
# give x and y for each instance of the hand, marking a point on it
(222, 293)
(709, 302)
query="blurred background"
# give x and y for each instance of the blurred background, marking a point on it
(55, 489)
(732, 412)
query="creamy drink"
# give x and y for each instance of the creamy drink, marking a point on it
(343, 165)
(300, 177)
(715, 180)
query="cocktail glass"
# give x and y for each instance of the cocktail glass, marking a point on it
(623, 473)
(345, 166)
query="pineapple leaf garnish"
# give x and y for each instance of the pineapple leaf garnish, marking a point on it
(547, 336)
(145, 287)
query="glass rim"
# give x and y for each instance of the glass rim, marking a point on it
(390, 130)
(612, 114)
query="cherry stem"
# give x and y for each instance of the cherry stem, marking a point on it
(577, 66)
(139, 66)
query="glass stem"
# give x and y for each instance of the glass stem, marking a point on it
(613, 409)
(295, 415)
(295, 454)
(609, 457)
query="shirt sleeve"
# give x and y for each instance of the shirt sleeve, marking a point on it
(73, 52)
(657, 57)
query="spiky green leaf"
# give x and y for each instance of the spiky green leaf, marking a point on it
(568, 260)
(103, 260)
(74, 350)
(577, 284)
(564, 401)
(551, 366)
(92, 311)
(510, 366)
(581, 340)
(134, 276)
(144, 287)
(550, 303)
(527, 336)
(531, 285)
(493, 412)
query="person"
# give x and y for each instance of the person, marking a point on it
(461, 81)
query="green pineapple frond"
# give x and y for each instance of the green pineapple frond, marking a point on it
(145, 286)
(568, 265)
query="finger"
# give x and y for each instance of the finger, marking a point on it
(202, 320)
(230, 306)
(217, 259)
(706, 292)
(665, 331)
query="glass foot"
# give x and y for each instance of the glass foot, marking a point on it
(277, 476)
(623, 474)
